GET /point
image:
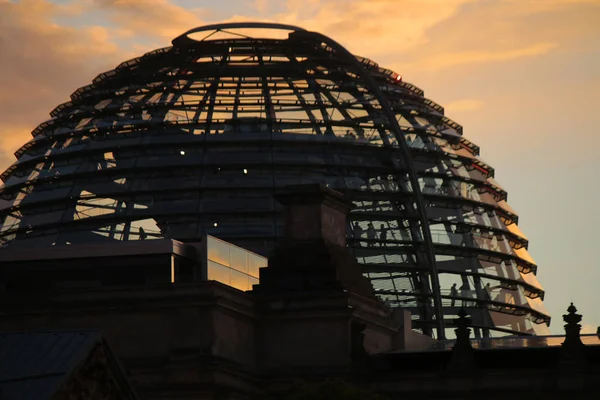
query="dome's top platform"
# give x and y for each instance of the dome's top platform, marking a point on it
(210, 30)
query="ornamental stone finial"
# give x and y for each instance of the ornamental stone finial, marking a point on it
(462, 353)
(462, 330)
(573, 350)
(572, 326)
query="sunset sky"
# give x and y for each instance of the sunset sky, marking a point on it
(521, 76)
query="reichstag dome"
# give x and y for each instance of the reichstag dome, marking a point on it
(195, 139)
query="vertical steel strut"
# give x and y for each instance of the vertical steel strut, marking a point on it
(414, 181)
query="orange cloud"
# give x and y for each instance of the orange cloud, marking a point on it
(151, 18)
(379, 27)
(42, 64)
(506, 30)
(471, 57)
(464, 105)
(13, 138)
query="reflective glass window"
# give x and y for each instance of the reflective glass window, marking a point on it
(239, 280)
(220, 273)
(238, 259)
(255, 263)
(218, 251)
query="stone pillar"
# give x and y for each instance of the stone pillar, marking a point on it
(317, 309)
(313, 253)
(315, 213)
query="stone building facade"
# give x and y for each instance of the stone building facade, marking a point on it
(312, 317)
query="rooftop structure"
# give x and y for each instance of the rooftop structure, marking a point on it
(60, 365)
(196, 138)
(157, 262)
(312, 322)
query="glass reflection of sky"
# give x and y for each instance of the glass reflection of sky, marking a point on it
(232, 265)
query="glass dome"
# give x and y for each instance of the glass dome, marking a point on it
(196, 138)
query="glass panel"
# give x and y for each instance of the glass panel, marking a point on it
(254, 263)
(218, 251)
(504, 205)
(532, 280)
(538, 305)
(252, 281)
(218, 273)
(542, 330)
(239, 280)
(513, 228)
(239, 259)
(524, 255)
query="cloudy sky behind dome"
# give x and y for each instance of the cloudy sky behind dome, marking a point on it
(521, 76)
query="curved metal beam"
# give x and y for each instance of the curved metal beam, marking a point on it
(235, 25)
(414, 181)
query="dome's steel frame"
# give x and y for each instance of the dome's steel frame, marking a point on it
(411, 206)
